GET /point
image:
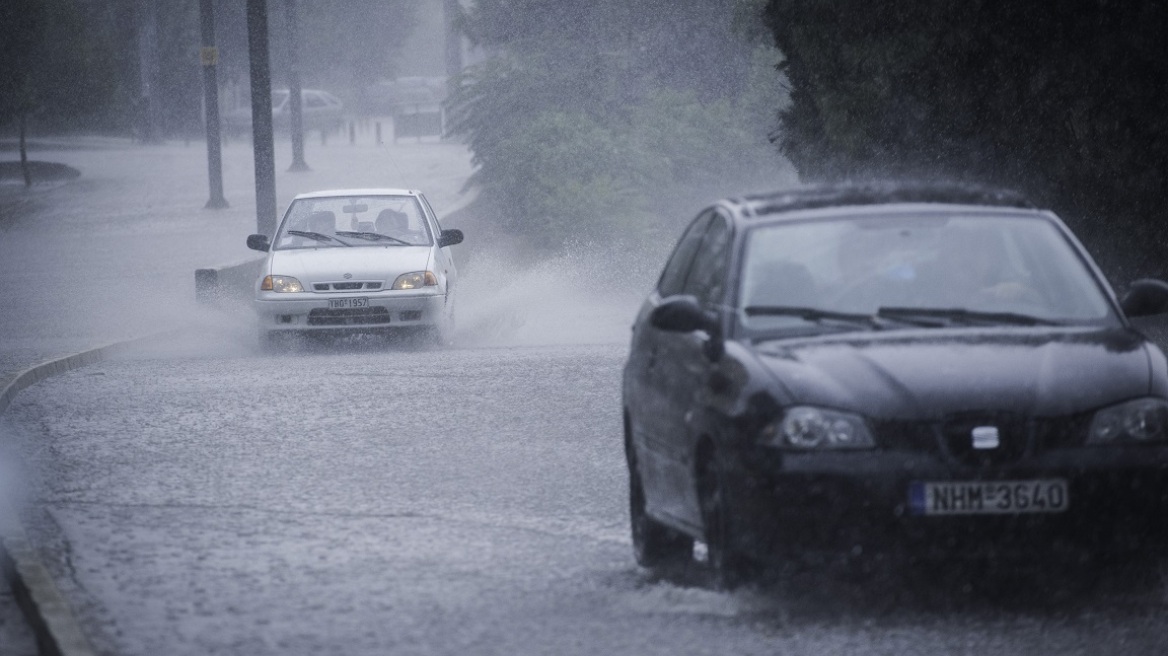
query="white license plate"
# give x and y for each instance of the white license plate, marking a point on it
(347, 303)
(988, 497)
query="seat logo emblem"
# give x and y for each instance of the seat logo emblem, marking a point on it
(986, 437)
(347, 276)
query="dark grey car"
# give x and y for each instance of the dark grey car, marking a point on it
(867, 367)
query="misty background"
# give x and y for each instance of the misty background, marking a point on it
(610, 123)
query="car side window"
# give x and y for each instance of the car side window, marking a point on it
(430, 209)
(707, 275)
(673, 277)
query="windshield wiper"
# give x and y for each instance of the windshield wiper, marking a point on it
(816, 315)
(316, 236)
(375, 236)
(939, 317)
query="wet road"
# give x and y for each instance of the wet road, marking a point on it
(199, 497)
(202, 498)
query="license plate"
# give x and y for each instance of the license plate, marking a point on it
(347, 303)
(988, 497)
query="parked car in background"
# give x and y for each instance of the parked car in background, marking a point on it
(360, 260)
(855, 369)
(321, 111)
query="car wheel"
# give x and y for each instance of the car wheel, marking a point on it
(654, 545)
(729, 567)
(444, 334)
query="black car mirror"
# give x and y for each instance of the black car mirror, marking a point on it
(680, 314)
(1145, 297)
(450, 237)
(259, 243)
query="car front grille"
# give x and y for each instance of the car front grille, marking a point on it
(365, 316)
(951, 437)
(344, 286)
(1015, 439)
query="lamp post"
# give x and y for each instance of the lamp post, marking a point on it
(261, 116)
(209, 57)
(297, 103)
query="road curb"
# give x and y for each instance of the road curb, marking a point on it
(229, 282)
(48, 614)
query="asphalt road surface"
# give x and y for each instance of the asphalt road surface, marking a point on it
(358, 497)
(200, 497)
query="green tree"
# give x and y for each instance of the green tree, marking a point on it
(342, 47)
(1064, 100)
(53, 66)
(605, 120)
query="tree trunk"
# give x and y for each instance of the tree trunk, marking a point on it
(24, 150)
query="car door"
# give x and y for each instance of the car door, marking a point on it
(686, 370)
(443, 257)
(650, 373)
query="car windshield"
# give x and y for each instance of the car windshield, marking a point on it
(343, 221)
(925, 270)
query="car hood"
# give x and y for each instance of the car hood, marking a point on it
(384, 263)
(920, 374)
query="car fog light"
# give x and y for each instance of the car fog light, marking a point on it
(807, 428)
(281, 284)
(415, 280)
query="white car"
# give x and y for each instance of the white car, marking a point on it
(321, 110)
(357, 260)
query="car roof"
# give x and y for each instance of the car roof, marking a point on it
(887, 209)
(836, 196)
(330, 193)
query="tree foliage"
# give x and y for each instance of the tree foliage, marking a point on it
(76, 63)
(1064, 100)
(52, 65)
(601, 119)
(343, 48)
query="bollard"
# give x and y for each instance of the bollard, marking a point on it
(378, 125)
(324, 136)
(352, 133)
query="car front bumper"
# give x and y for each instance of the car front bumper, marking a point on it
(307, 311)
(861, 501)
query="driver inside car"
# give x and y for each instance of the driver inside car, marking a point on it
(978, 271)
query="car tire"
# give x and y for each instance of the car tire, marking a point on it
(444, 335)
(655, 546)
(729, 567)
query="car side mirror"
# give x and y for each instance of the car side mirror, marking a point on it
(259, 243)
(1145, 297)
(450, 237)
(683, 314)
(679, 314)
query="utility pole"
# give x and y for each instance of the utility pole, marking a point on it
(297, 106)
(209, 57)
(261, 116)
(450, 11)
(148, 122)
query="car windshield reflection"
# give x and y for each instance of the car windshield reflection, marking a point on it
(346, 221)
(914, 271)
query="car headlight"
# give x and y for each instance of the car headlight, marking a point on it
(806, 428)
(415, 280)
(281, 284)
(1142, 420)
